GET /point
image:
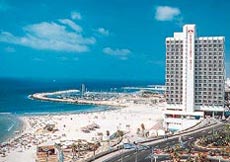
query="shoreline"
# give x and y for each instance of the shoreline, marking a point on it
(45, 113)
(70, 126)
(43, 96)
(24, 124)
(19, 128)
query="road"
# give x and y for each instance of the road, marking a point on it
(140, 156)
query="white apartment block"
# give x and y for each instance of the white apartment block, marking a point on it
(194, 78)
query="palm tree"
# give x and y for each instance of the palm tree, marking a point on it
(190, 160)
(227, 128)
(73, 147)
(94, 147)
(143, 129)
(201, 157)
(227, 132)
(78, 147)
(108, 135)
(120, 133)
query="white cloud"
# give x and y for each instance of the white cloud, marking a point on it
(76, 15)
(121, 53)
(71, 24)
(64, 58)
(166, 13)
(103, 31)
(51, 36)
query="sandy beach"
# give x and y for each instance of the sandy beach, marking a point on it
(69, 127)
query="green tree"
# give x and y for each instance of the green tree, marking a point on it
(201, 158)
(175, 155)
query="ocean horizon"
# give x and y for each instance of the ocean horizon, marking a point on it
(15, 102)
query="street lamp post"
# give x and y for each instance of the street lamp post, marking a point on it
(136, 147)
(151, 157)
(136, 155)
(122, 149)
(122, 153)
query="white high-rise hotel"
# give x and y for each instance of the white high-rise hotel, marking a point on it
(194, 78)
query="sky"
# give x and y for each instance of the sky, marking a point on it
(100, 39)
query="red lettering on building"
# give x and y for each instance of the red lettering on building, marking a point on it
(190, 64)
(190, 48)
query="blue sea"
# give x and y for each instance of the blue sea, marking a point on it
(14, 99)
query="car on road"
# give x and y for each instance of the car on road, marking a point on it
(129, 146)
(138, 147)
